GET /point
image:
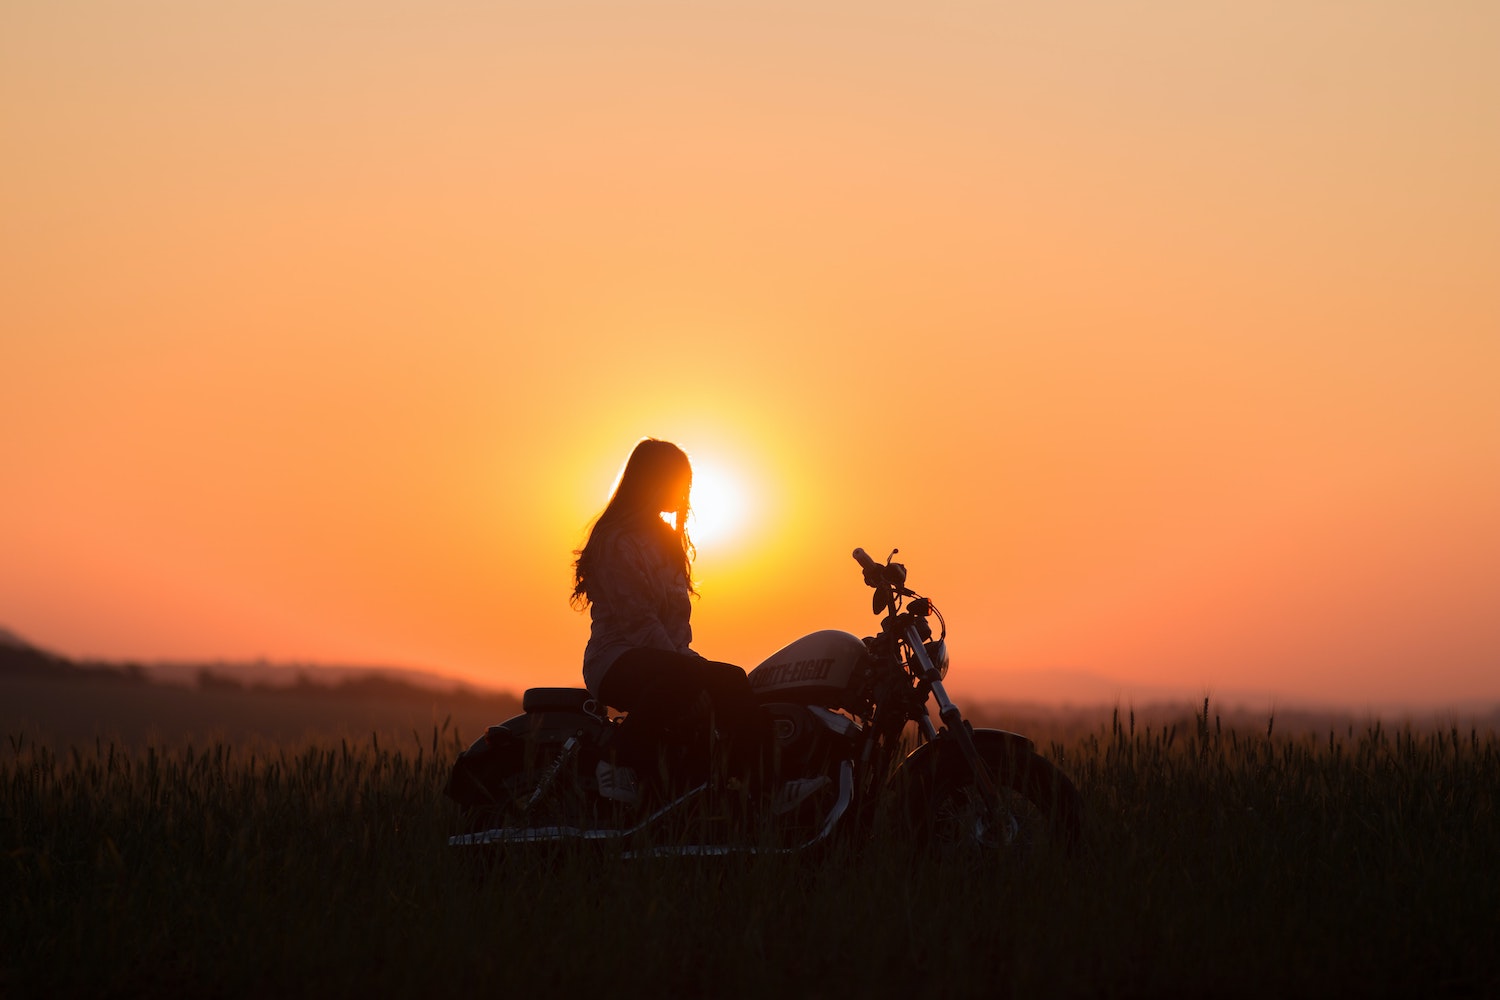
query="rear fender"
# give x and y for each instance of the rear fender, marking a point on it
(550, 727)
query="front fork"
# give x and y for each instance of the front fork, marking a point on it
(953, 721)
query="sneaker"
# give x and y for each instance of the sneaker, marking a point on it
(793, 793)
(617, 783)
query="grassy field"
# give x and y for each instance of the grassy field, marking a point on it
(1219, 860)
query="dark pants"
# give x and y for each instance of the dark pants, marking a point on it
(677, 699)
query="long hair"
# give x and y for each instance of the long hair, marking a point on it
(657, 479)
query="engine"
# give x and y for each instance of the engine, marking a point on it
(809, 739)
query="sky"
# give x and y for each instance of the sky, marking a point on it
(1162, 338)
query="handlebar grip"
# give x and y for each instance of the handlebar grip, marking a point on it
(863, 558)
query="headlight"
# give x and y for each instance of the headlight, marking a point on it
(937, 652)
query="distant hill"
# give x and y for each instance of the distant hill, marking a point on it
(58, 700)
(16, 653)
(19, 658)
(267, 675)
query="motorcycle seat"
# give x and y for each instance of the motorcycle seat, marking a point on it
(555, 700)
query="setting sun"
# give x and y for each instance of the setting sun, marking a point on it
(719, 505)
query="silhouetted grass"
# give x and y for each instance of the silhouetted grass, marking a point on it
(1217, 861)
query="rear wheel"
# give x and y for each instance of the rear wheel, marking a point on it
(501, 783)
(506, 792)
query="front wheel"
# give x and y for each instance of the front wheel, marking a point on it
(1035, 806)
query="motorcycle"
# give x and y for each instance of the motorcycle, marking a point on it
(849, 713)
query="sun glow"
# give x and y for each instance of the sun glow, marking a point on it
(720, 505)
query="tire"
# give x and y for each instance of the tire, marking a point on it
(1038, 808)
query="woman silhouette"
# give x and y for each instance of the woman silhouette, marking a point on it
(634, 574)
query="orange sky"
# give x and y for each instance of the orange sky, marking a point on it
(1163, 338)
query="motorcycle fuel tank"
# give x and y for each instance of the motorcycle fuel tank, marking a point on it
(821, 668)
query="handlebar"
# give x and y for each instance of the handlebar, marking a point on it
(890, 575)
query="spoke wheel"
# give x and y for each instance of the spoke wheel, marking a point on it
(1036, 809)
